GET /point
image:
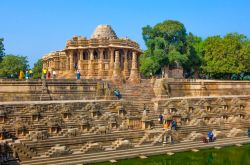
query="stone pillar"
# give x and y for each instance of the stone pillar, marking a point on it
(91, 63)
(125, 70)
(80, 59)
(111, 62)
(67, 63)
(101, 64)
(134, 74)
(71, 61)
(117, 66)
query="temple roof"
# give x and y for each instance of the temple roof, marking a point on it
(104, 31)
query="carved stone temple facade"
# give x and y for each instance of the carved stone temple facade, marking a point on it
(103, 56)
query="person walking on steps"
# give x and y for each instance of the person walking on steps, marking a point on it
(78, 74)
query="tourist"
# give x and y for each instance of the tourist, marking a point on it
(30, 73)
(44, 73)
(161, 118)
(204, 139)
(117, 93)
(27, 74)
(174, 125)
(49, 74)
(78, 74)
(75, 66)
(210, 136)
(144, 112)
(248, 132)
(21, 74)
(54, 74)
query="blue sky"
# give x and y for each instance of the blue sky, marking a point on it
(36, 27)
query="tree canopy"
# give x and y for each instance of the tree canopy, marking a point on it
(12, 64)
(224, 56)
(168, 44)
(1, 49)
(37, 70)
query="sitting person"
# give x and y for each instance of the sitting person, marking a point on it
(117, 93)
(204, 139)
(210, 136)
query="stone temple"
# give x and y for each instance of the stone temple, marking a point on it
(103, 56)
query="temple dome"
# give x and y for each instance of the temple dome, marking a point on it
(104, 31)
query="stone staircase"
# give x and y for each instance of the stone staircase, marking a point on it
(147, 150)
(121, 144)
(58, 151)
(92, 148)
(23, 150)
(136, 96)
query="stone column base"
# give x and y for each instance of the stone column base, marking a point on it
(134, 76)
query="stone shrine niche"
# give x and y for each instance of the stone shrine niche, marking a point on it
(84, 125)
(66, 114)
(35, 115)
(204, 104)
(221, 103)
(21, 129)
(3, 116)
(121, 111)
(172, 108)
(113, 122)
(237, 105)
(146, 122)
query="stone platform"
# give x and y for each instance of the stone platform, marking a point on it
(97, 122)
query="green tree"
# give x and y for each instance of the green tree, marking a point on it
(224, 56)
(166, 46)
(12, 64)
(37, 70)
(195, 50)
(1, 49)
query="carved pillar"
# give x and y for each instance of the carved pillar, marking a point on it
(117, 67)
(101, 64)
(134, 74)
(71, 61)
(91, 63)
(67, 63)
(80, 59)
(111, 62)
(125, 70)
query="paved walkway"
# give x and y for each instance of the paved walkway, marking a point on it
(54, 102)
(145, 150)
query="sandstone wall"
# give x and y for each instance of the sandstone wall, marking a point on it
(33, 90)
(183, 87)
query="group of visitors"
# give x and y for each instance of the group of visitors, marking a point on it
(168, 123)
(210, 137)
(48, 74)
(28, 74)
